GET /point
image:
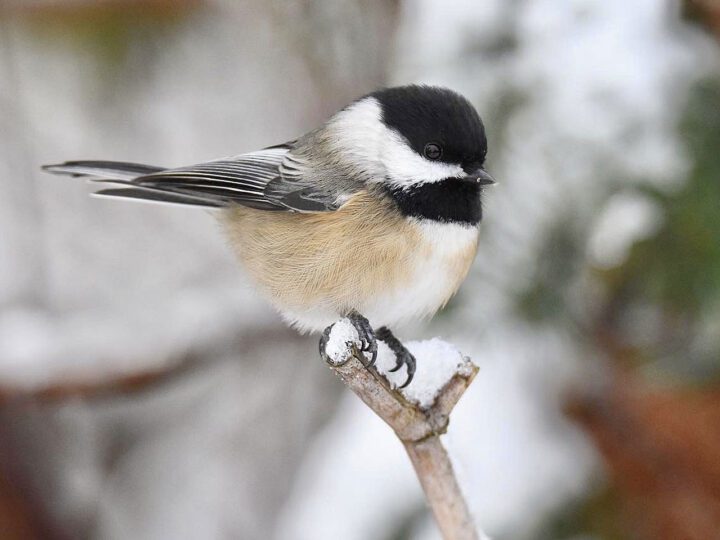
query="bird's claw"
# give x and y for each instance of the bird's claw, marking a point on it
(324, 338)
(364, 345)
(368, 342)
(403, 357)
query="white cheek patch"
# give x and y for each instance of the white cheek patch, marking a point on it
(357, 135)
(405, 167)
(361, 135)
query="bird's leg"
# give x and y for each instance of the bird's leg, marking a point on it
(402, 355)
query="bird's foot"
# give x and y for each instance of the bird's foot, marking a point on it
(367, 336)
(334, 349)
(403, 357)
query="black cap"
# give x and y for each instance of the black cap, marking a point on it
(431, 115)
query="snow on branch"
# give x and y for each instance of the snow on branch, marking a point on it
(418, 414)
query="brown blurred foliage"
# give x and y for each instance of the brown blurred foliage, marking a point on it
(705, 12)
(662, 451)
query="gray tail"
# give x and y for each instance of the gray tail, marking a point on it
(123, 174)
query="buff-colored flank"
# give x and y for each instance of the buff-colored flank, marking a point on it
(339, 260)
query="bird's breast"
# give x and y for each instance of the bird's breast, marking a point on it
(365, 256)
(435, 271)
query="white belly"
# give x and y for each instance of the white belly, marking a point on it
(435, 273)
(436, 276)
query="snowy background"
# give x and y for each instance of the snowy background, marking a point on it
(148, 392)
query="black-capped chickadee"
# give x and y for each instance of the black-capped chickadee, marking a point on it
(376, 212)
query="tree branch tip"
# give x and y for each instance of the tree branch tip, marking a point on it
(418, 414)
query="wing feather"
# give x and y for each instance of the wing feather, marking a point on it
(237, 180)
(275, 178)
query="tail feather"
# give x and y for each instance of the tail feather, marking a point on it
(122, 173)
(102, 169)
(156, 196)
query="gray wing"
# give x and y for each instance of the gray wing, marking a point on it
(280, 178)
(269, 179)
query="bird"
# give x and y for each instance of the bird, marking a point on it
(373, 216)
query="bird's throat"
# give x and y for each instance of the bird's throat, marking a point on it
(452, 200)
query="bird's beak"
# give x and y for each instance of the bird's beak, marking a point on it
(482, 177)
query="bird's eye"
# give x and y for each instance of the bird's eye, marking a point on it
(432, 151)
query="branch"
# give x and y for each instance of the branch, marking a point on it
(418, 414)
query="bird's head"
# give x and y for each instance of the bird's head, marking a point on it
(411, 135)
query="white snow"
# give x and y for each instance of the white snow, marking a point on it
(437, 362)
(343, 335)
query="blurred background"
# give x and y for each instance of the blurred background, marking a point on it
(148, 392)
